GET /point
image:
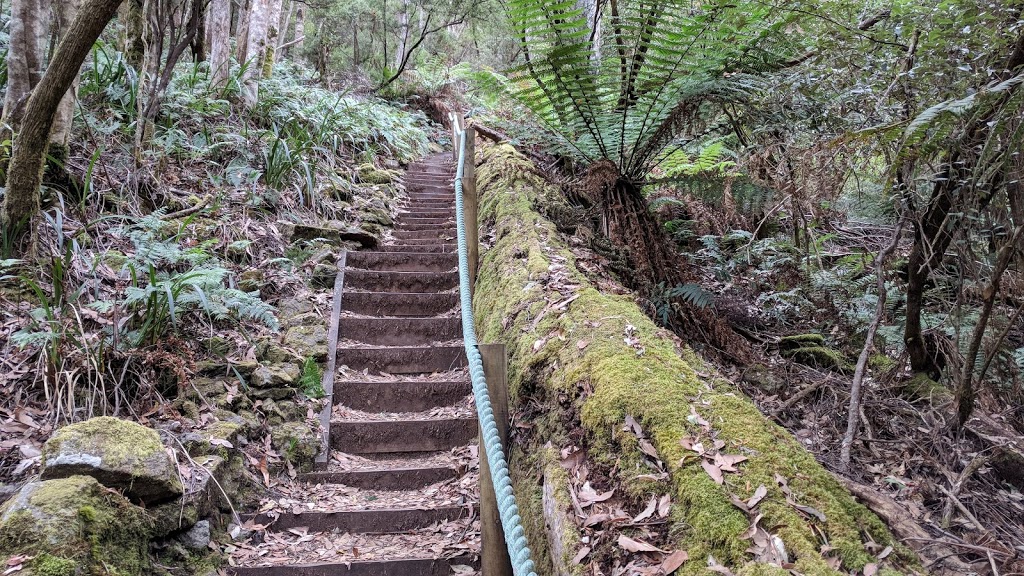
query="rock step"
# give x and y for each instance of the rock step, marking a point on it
(407, 304)
(412, 247)
(410, 567)
(403, 261)
(386, 281)
(445, 225)
(422, 242)
(384, 478)
(401, 331)
(403, 360)
(426, 213)
(382, 521)
(376, 436)
(433, 234)
(400, 395)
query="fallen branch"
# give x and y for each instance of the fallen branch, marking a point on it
(490, 134)
(907, 529)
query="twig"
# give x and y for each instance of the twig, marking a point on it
(189, 211)
(795, 398)
(853, 413)
(968, 471)
(960, 506)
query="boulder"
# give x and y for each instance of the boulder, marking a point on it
(75, 526)
(275, 376)
(335, 234)
(202, 498)
(370, 174)
(308, 341)
(197, 537)
(120, 454)
(297, 444)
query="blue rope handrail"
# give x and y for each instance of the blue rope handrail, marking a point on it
(515, 538)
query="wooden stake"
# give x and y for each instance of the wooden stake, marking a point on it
(471, 205)
(494, 558)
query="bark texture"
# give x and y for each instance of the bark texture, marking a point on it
(218, 26)
(26, 170)
(255, 46)
(24, 59)
(65, 13)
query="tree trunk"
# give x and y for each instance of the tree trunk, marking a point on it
(24, 61)
(403, 34)
(60, 136)
(218, 24)
(256, 49)
(300, 31)
(134, 30)
(199, 45)
(273, 38)
(21, 202)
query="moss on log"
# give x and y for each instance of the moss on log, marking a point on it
(600, 358)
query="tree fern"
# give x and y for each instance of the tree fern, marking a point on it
(654, 81)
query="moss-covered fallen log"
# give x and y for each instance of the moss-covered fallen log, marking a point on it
(592, 359)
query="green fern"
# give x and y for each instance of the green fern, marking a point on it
(657, 81)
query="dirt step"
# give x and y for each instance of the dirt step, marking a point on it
(401, 331)
(403, 261)
(384, 478)
(382, 521)
(412, 247)
(418, 245)
(434, 234)
(419, 212)
(444, 225)
(403, 360)
(401, 395)
(384, 281)
(410, 567)
(303, 553)
(409, 219)
(375, 436)
(408, 304)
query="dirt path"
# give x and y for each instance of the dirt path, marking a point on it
(399, 494)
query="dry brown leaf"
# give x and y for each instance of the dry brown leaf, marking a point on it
(648, 511)
(811, 511)
(673, 561)
(581, 555)
(759, 495)
(582, 344)
(728, 462)
(588, 495)
(664, 504)
(631, 545)
(713, 471)
(870, 569)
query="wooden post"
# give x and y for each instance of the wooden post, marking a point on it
(494, 558)
(455, 138)
(470, 203)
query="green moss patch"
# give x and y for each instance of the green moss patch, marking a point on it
(604, 357)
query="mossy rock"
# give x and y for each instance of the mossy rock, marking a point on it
(659, 388)
(761, 376)
(201, 500)
(370, 174)
(296, 443)
(283, 375)
(801, 341)
(819, 356)
(379, 217)
(218, 345)
(922, 387)
(323, 276)
(269, 352)
(251, 280)
(73, 526)
(308, 341)
(120, 454)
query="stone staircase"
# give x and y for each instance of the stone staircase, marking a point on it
(399, 494)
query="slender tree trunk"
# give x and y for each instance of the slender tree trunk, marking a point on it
(218, 24)
(299, 24)
(273, 37)
(21, 202)
(60, 137)
(967, 390)
(134, 29)
(199, 45)
(241, 31)
(24, 61)
(853, 412)
(256, 49)
(403, 34)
